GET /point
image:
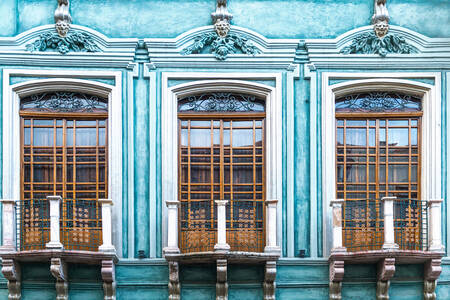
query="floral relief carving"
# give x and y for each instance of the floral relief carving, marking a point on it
(370, 43)
(73, 41)
(220, 46)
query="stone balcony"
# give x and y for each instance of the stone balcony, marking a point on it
(386, 232)
(57, 231)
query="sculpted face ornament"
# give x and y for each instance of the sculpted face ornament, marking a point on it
(222, 27)
(381, 29)
(62, 28)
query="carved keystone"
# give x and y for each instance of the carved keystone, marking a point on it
(432, 271)
(386, 270)
(336, 277)
(58, 268)
(11, 271)
(222, 284)
(269, 280)
(109, 279)
(174, 281)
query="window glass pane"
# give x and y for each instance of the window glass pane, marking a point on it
(398, 136)
(42, 136)
(356, 137)
(86, 136)
(200, 137)
(242, 137)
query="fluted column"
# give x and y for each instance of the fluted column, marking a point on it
(389, 234)
(55, 204)
(222, 244)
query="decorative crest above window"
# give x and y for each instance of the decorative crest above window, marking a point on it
(221, 42)
(379, 41)
(64, 102)
(378, 102)
(62, 39)
(221, 102)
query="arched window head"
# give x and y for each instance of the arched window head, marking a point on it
(378, 102)
(64, 102)
(221, 102)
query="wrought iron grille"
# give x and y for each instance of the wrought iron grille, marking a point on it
(198, 222)
(221, 102)
(411, 224)
(33, 224)
(378, 102)
(80, 224)
(363, 225)
(245, 229)
(64, 102)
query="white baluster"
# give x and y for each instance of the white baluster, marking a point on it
(107, 245)
(8, 225)
(337, 226)
(55, 203)
(389, 234)
(172, 227)
(271, 227)
(435, 225)
(222, 245)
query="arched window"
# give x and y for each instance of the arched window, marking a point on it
(221, 156)
(378, 154)
(64, 147)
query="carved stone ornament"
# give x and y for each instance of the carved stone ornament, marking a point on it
(369, 43)
(379, 42)
(269, 280)
(62, 18)
(336, 278)
(58, 268)
(174, 281)
(380, 18)
(222, 284)
(62, 39)
(11, 271)
(221, 43)
(432, 270)
(386, 270)
(109, 280)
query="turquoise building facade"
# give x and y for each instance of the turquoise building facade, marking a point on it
(299, 56)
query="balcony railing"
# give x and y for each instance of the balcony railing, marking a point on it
(244, 226)
(386, 224)
(56, 223)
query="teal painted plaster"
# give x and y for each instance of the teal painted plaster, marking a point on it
(272, 18)
(141, 160)
(301, 165)
(422, 80)
(8, 21)
(21, 79)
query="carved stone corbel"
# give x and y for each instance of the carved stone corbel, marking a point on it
(386, 270)
(109, 279)
(11, 271)
(432, 271)
(336, 278)
(269, 280)
(222, 283)
(221, 18)
(174, 281)
(58, 268)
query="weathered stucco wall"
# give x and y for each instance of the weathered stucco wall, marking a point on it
(272, 18)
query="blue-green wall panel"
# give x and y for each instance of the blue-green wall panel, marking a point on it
(198, 292)
(303, 293)
(287, 18)
(136, 292)
(359, 291)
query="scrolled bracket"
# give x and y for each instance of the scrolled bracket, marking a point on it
(222, 283)
(269, 285)
(174, 281)
(386, 270)
(336, 278)
(109, 279)
(433, 269)
(58, 268)
(11, 271)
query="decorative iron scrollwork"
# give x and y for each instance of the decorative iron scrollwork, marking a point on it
(378, 102)
(221, 102)
(64, 102)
